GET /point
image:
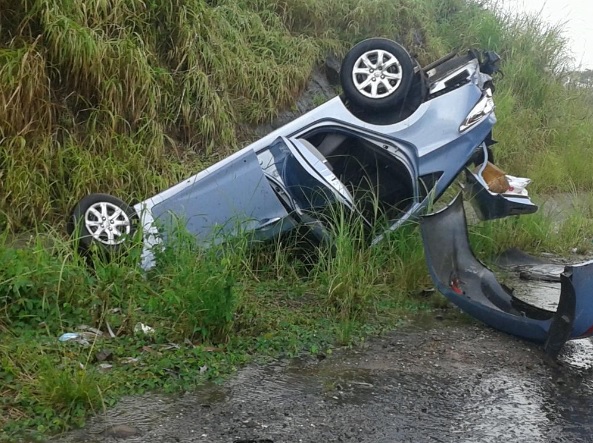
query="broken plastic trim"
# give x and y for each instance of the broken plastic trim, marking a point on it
(470, 285)
(489, 205)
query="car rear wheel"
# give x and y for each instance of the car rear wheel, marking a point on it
(103, 221)
(376, 74)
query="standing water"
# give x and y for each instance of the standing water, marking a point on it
(446, 382)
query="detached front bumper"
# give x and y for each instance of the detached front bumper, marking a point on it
(470, 285)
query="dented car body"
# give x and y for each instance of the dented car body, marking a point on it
(332, 155)
(386, 149)
(399, 133)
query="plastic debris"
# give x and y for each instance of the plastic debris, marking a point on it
(517, 185)
(68, 336)
(85, 335)
(74, 336)
(144, 329)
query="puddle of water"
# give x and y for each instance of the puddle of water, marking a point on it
(532, 280)
(448, 384)
(279, 383)
(541, 294)
(578, 354)
(506, 405)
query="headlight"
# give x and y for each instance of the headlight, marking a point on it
(482, 109)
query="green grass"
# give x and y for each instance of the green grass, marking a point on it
(219, 307)
(128, 97)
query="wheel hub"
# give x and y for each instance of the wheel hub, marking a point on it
(377, 74)
(107, 223)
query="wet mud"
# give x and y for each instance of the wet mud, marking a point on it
(438, 381)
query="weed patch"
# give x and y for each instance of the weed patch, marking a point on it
(131, 97)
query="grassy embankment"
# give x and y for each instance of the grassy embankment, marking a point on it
(127, 97)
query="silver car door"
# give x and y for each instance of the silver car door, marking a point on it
(234, 197)
(316, 166)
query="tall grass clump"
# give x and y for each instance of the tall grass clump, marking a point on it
(196, 291)
(345, 267)
(545, 125)
(404, 265)
(40, 285)
(355, 274)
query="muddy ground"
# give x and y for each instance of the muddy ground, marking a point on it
(444, 378)
(436, 381)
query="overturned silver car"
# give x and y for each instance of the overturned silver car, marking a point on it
(399, 132)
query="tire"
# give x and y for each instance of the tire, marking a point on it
(376, 74)
(104, 222)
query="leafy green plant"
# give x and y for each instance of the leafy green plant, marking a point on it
(195, 286)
